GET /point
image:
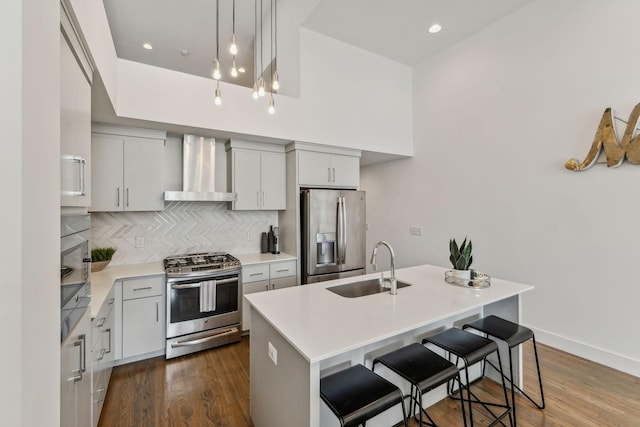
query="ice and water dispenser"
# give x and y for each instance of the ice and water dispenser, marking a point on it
(325, 249)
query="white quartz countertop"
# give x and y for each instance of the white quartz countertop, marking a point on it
(247, 259)
(321, 324)
(102, 281)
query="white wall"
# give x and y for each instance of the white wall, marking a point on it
(346, 95)
(29, 307)
(495, 118)
(10, 220)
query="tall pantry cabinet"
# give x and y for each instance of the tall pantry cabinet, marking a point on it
(75, 118)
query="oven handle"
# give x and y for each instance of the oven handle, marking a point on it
(202, 340)
(197, 285)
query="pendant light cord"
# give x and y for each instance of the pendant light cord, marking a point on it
(218, 32)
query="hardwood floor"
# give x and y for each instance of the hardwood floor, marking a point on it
(211, 388)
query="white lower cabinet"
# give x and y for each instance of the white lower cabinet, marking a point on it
(265, 277)
(143, 316)
(75, 375)
(103, 336)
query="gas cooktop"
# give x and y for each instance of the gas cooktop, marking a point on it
(203, 263)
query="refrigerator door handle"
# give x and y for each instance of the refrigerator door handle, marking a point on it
(339, 232)
(344, 230)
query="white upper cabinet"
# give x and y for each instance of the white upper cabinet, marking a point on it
(257, 175)
(75, 123)
(127, 173)
(328, 170)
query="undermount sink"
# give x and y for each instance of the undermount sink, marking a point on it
(364, 288)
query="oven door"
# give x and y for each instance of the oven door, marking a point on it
(184, 315)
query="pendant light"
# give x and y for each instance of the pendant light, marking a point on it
(275, 82)
(216, 72)
(255, 95)
(261, 90)
(234, 47)
(272, 107)
(218, 99)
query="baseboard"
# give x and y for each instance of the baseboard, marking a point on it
(589, 352)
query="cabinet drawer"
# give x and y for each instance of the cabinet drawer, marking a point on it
(142, 288)
(254, 273)
(283, 269)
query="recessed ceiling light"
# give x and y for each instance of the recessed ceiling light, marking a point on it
(147, 46)
(435, 28)
(241, 70)
(184, 52)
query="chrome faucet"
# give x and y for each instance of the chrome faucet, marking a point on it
(392, 280)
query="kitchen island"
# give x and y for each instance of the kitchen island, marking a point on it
(301, 333)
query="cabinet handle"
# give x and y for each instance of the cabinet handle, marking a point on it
(111, 300)
(83, 177)
(282, 271)
(118, 197)
(108, 331)
(334, 175)
(267, 286)
(127, 197)
(102, 353)
(257, 199)
(82, 343)
(157, 311)
(146, 288)
(100, 322)
(329, 174)
(101, 392)
(255, 274)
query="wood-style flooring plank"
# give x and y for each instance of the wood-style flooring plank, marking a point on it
(211, 388)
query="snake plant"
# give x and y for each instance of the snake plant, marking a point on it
(461, 257)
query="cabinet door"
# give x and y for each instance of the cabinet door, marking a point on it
(345, 171)
(314, 169)
(283, 282)
(250, 288)
(273, 181)
(143, 329)
(143, 174)
(107, 172)
(75, 375)
(75, 130)
(246, 179)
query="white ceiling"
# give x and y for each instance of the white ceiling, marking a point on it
(393, 29)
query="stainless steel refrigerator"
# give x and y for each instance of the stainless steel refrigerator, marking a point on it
(333, 234)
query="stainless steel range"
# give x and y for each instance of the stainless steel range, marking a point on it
(204, 301)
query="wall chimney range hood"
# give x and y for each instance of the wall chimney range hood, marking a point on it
(198, 173)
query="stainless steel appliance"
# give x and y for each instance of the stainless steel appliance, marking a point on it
(333, 234)
(204, 301)
(75, 288)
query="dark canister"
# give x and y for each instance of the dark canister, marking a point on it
(264, 243)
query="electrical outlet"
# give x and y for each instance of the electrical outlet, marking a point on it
(415, 230)
(249, 236)
(273, 354)
(139, 241)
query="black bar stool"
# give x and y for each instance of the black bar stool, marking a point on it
(356, 395)
(514, 335)
(472, 348)
(424, 370)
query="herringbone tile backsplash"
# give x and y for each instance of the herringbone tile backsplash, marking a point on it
(183, 227)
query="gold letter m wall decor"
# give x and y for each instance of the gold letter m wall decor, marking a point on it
(606, 138)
